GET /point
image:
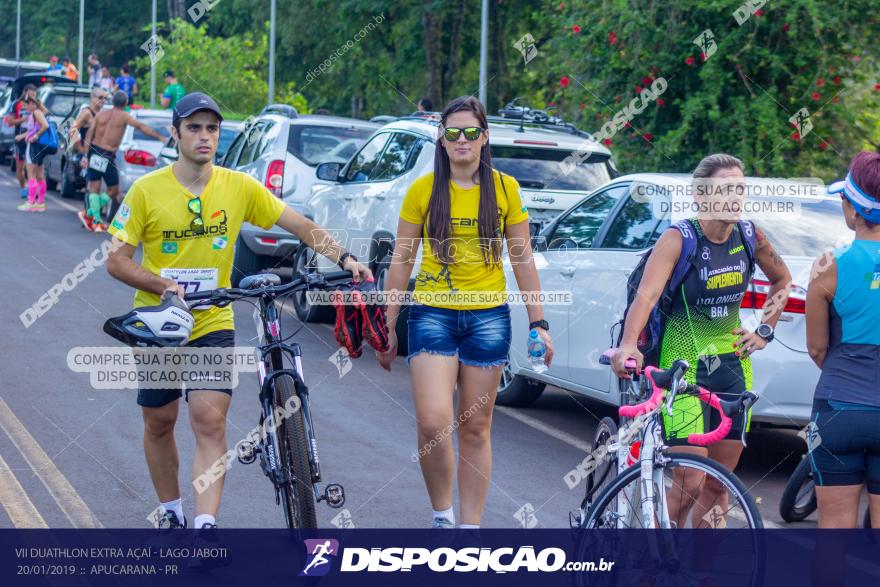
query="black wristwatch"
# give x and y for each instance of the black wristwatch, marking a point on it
(345, 256)
(765, 331)
(540, 324)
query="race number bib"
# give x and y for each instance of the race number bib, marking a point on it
(98, 163)
(193, 280)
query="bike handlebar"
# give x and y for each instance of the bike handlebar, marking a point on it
(225, 295)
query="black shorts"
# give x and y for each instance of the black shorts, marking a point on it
(156, 398)
(110, 175)
(845, 446)
(20, 149)
(35, 153)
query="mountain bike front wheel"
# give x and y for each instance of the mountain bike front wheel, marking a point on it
(297, 495)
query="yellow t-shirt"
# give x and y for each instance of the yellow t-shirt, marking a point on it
(467, 284)
(155, 213)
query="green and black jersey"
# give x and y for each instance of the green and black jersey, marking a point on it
(704, 313)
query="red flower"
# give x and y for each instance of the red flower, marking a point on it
(564, 81)
(855, 58)
(561, 6)
(704, 57)
(607, 142)
(617, 98)
(551, 104)
(820, 82)
(796, 136)
(648, 136)
(612, 38)
(759, 12)
(689, 61)
(823, 145)
(661, 102)
(627, 125)
(836, 80)
(575, 29)
(638, 89)
(646, 81)
(877, 87)
(785, 27)
(816, 96)
(653, 71)
(582, 105)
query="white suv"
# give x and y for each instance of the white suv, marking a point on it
(362, 204)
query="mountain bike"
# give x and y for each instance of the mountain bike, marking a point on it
(288, 451)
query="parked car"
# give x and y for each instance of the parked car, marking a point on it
(282, 151)
(11, 94)
(591, 249)
(62, 167)
(228, 131)
(364, 197)
(138, 153)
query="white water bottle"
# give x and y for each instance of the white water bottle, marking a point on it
(537, 350)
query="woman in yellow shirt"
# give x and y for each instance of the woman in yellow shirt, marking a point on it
(459, 324)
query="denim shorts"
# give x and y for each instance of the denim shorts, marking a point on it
(478, 337)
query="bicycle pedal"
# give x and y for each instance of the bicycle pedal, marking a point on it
(334, 494)
(247, 453)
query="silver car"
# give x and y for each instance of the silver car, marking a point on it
(138, 153)
(591, 249)
(281, 150)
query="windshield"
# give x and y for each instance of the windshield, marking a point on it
(321, 144)
(158, 124)
(819, 226)
(539, 168)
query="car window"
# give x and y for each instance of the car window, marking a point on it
(314, 144)
(224, 141)
(396, 157)
(580, 226)
(64, 104)
(267, 139)
(360, 168)
(633, 227)
(540, 168)
(161, 125)
(234, 150)
(252, 143)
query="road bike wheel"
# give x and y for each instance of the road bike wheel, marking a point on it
(799, 498)
(606, 469)
(676, 563)
(297, 496)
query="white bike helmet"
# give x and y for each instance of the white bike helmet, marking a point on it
(168, 324)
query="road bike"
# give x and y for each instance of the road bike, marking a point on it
(288, 451)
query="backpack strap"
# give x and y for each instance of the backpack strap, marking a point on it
(748, 232)
(685, 259)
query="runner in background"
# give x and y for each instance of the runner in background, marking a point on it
(105, 81)
(69, 70)
(173, 92)
(34, 154)
(17, 119)
(126, 83)
(54, 68)
(94, 70)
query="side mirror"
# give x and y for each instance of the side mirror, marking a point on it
(328, 171)
(168, 153)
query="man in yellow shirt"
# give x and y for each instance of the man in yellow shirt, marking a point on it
(187, 217)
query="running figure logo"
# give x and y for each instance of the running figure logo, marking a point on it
(321, 552)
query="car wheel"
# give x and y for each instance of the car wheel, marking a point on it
(516, 390)
(381, 275)
(68, 188)
(305, 261)
(245, 263)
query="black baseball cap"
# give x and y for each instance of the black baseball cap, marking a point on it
(192, 103)
(168, 73)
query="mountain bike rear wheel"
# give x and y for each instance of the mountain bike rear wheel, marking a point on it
(297, 496)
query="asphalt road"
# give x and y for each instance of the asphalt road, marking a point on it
(72, 455)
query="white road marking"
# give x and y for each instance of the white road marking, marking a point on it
(63, 204)
(55, 482)
(16, 502)
(547, 429)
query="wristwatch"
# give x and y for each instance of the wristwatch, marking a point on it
(345, 256)
(540, 324)
(765, 331)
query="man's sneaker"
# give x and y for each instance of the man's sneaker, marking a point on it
(85, 220)
(206, 550)
(23, 193)
(38, 208)
(442, 523)
(26, 207)
(169, 521)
